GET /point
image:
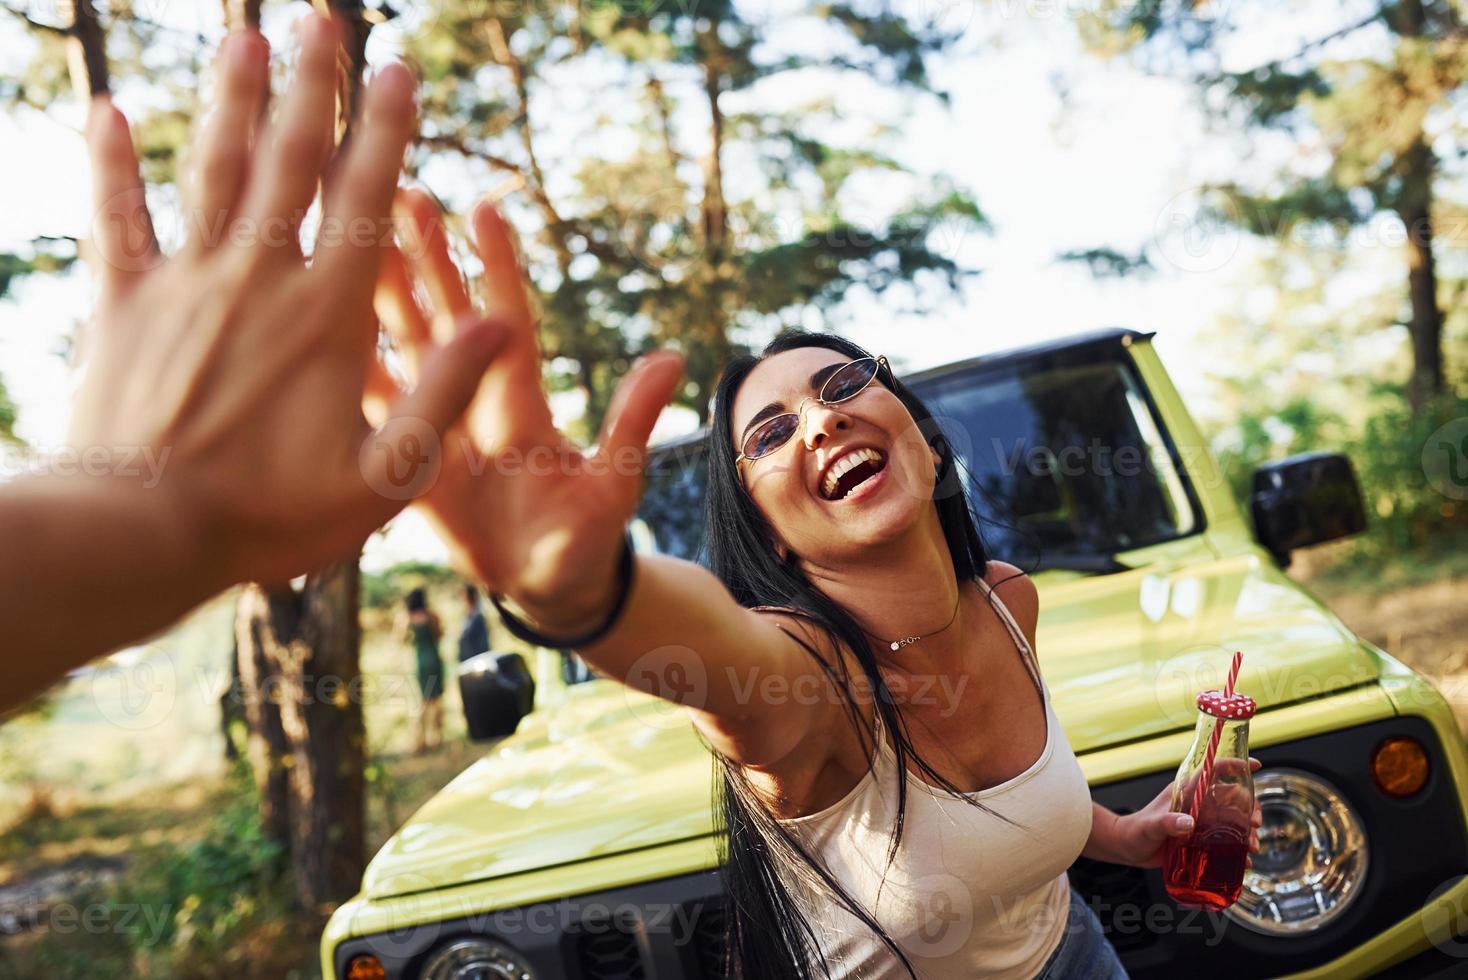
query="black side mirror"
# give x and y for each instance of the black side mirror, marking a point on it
(497, 690)
(1306, 499)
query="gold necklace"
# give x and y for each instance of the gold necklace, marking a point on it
(907, 641)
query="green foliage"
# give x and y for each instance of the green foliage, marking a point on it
(217, 887)
(638, 238)
(7, 415)
(46, 256)
(1406, 515)
(190, 912)
(1105, 262)
(1370, 104)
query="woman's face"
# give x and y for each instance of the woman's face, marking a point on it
(821, 507)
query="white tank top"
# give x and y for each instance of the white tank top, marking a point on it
(967, 895)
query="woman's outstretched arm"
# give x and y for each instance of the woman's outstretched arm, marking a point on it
(218, 434)
(537, 519)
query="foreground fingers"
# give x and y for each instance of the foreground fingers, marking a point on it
(224, 148)
(123, 243)
(356, 227)
(296, 145)
(637, 403)
(398, 310)
(426, 247)
(451, 375)
(504, 280)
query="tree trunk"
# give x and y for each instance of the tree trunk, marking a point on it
(260, 689)
(1416, 168)
(87, 51)
(308, 643)
(1426, 325)
(239, 14)
(324, 725)
(352, 58)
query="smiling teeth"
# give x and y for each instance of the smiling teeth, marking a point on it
(844, 465)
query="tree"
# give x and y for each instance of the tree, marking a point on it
(1369, 104)
(652, 245)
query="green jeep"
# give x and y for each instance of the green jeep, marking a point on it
(584, 846)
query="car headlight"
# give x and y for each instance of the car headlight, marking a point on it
(476, 959)
(1312, 856)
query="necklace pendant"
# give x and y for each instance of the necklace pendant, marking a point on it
(905, 641)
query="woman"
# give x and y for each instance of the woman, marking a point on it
(421, 627)
(873, 830)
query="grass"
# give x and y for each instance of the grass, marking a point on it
(134, 817)
(185, 854)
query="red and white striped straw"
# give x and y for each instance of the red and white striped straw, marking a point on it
(1206, 779)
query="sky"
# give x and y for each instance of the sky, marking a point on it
(1061, 150)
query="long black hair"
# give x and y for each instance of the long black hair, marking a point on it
(768, 936)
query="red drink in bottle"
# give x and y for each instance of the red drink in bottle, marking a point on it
(1214, 784)
(1206, 870)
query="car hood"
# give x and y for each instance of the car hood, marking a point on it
(610, 771)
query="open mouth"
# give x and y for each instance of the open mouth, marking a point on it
(851, 471)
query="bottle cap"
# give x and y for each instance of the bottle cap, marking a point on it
(1232, 707)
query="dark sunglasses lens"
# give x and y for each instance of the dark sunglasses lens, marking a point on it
(770, 436)
(849, 380)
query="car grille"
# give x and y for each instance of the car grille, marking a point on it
(608, 950)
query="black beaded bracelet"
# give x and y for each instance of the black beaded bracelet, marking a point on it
(521, 630)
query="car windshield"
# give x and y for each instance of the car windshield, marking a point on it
(1065, 461)
(1067, 465)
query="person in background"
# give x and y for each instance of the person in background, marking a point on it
(423, 629)
(474, 638)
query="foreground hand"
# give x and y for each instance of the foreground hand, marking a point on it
(237, 362)
(1140, 839)
(526, 511)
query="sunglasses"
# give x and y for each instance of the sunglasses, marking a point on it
(846, 383)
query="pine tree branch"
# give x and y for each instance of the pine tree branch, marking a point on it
(558, 226)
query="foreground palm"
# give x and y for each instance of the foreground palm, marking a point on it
(525, 510)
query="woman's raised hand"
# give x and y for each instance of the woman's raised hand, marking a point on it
(525, 510)
(238, 358)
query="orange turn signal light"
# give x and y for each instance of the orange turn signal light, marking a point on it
(366, 967)
(1399, 766)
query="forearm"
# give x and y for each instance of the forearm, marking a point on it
(91, 563)
(682, 636)
(1103, 844)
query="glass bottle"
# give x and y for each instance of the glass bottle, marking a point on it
(1206, 869)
